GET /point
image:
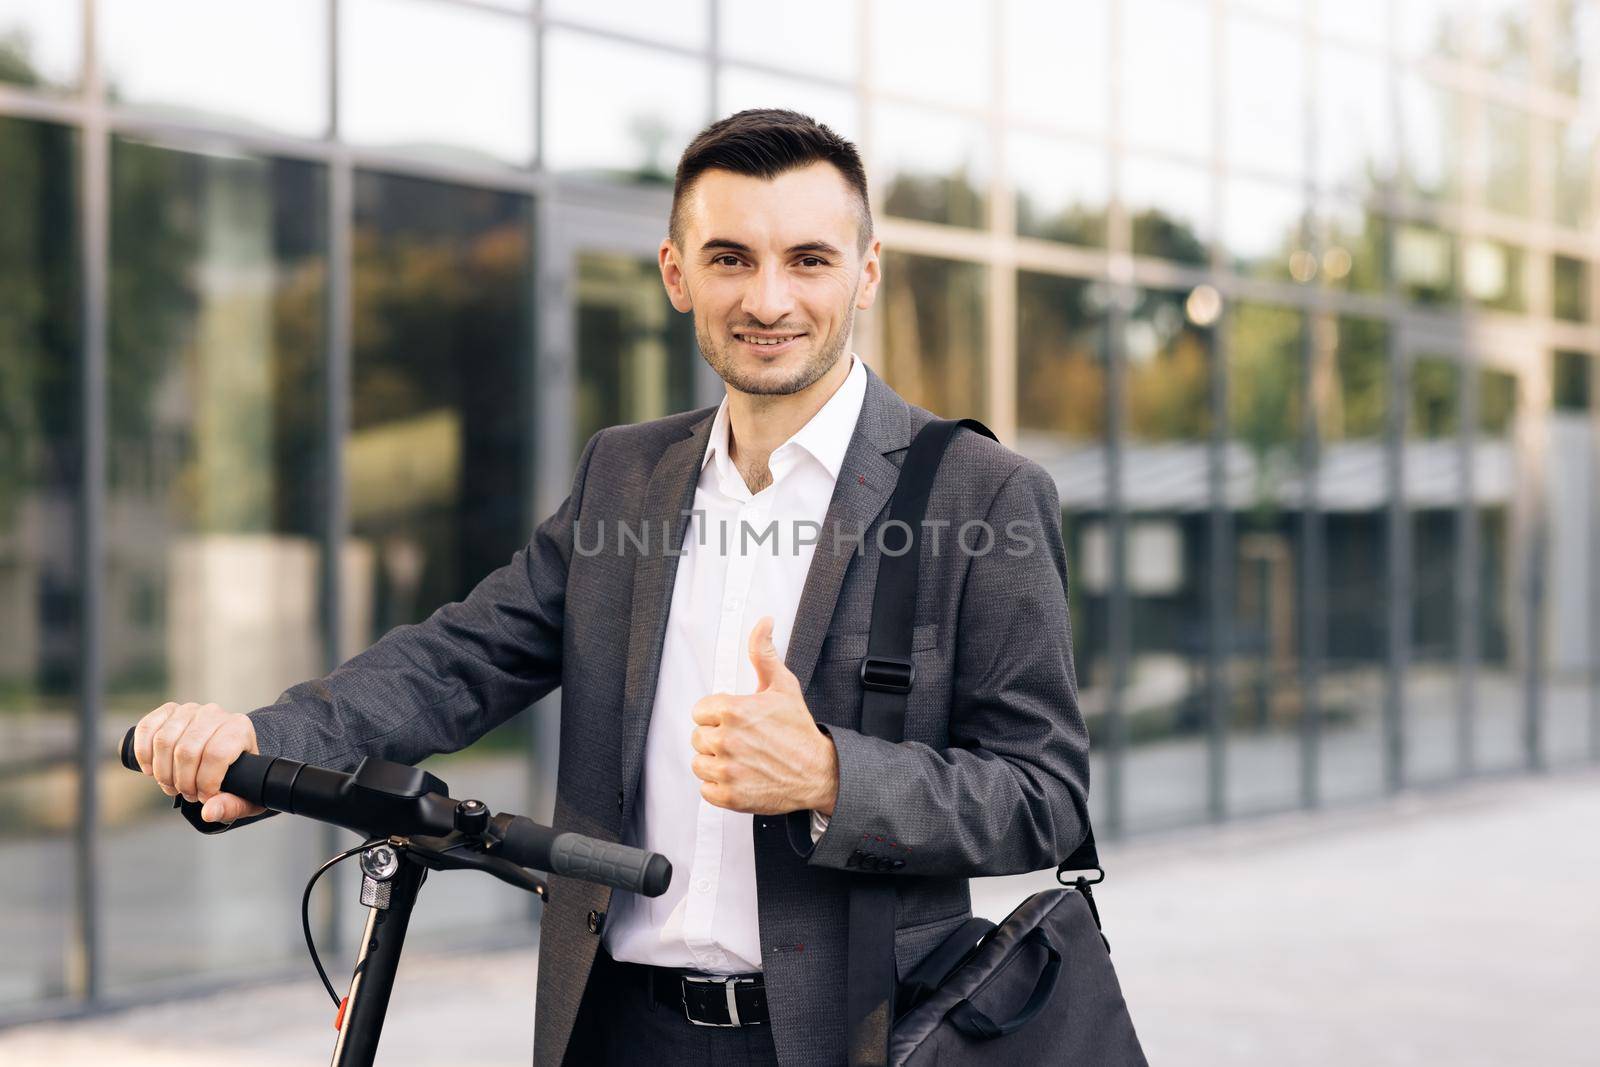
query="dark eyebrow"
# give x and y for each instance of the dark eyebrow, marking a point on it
(726, 245)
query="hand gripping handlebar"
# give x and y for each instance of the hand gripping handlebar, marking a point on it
(384, 799)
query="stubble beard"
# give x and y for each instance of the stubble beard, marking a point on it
(726, 364)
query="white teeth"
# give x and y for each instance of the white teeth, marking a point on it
(765, 340)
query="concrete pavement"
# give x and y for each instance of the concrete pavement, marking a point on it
(1460, 927)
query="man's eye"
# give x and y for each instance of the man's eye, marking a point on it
(813, 261)
(726, 261)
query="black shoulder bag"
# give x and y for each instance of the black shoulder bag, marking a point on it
(1037, 988)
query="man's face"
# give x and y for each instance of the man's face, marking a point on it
(772, 273)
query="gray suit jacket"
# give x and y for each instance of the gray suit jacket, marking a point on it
(992, 777)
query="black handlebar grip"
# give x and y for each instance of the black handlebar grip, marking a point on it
(129, 760)
(529, 844)
(633, 869)
(246, 777)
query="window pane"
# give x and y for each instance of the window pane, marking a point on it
(1570, 285)
(1571, 581)
(437, 80)
(263, 63)
(214, 512)
(1265, 83)
(1166, 75)
(820, 38)
(1572, 171)
(932, 166)
(1061, 189)
(1266, 494)
(39, 579)
(1355, 145)
(1165, 480)
(1507, 149)
(636, 354)
(1265, 225)
(1354, 254)
(1493, 275)
(1572, 376)
(41, 43)
(937, 50)
(680, 22)
(1574, 32)
(1353, 493)
(629, 129)
(1057, 69)
(1430, 131)
(1061, 419)
(1169, 209)
(934, 334)
(740, 88)
(1497, 700)
(1435, 484)
(1505, 35)
(1425, 261)
(439, 454)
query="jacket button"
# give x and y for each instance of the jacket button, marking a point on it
(619, 800)
(596, 921)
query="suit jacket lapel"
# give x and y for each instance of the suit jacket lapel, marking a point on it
(865, 484)
(668, 498)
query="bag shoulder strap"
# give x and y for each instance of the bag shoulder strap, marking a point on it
(887, 674)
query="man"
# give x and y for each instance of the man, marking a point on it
(711, 677)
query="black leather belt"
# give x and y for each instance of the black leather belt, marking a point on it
(705, 999)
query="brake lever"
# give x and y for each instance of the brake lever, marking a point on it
(459, 852)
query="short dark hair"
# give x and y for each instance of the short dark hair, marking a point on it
(764, 143)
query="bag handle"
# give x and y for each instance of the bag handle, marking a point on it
(967, 1018)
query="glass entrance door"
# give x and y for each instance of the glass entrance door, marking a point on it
(612, 350)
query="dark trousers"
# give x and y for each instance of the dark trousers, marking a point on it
(620, 1023)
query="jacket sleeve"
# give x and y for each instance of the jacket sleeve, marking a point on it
(1010, 794)
(438, 685)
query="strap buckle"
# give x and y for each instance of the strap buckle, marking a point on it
(729, 985)
(888, 675)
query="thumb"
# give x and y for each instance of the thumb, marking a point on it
(771, 672)
(225, 807)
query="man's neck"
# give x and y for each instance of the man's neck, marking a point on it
(758, 424)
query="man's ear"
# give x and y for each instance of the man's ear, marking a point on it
(871, 275)
(672, 276)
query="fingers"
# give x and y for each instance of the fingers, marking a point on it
(708, 711)
(225, 807)
(191, 745)
(144, 735)
(707, 739)
(233, 735)
(706, 768)
(166, 741)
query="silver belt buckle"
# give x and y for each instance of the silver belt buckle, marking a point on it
(729, 984)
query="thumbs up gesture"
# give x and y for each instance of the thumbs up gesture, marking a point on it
(763, 753)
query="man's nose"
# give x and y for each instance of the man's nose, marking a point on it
(768, 297)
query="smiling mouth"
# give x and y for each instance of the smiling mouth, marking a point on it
(767, 342)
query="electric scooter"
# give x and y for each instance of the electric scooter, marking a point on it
(411, 826)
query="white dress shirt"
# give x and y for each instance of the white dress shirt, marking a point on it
(733, 572)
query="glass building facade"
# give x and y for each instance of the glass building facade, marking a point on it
(307, 307)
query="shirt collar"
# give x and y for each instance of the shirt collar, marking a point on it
(826, 436)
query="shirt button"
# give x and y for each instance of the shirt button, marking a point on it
(702, 885)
